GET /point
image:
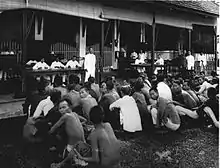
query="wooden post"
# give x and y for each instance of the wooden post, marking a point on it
(101, 57)
(24, 37)
(24, 48)
(190, 40)
(82, 38)
(215, 47)
(153, 44)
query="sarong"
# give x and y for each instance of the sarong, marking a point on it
(82, 148)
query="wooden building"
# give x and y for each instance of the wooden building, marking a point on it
(36, 28)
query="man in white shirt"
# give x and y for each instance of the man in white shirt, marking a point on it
(160, 61)
(41, 65)
(140, 61)
(56, 64)
(134, 55)
(204, 85)
(45, 105)
(190, 61)
(164, 90)
(73, 63)
(129, 113)
(89, 64)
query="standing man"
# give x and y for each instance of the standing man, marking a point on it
(89, 64)
(190, 61)
(202, 62)
(182, 64)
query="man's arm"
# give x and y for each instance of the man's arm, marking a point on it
(95, 151)
(77, 64)
(82, 119)
(52, 65)
(157, 62)
(58, 124)
(35, 67)
(46, 66)
(115, 104)
(201, 90)
(161, 107)
(61, 65)
(67, 64)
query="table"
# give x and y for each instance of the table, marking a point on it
(51, 72)
(162, 67)
(140, 65)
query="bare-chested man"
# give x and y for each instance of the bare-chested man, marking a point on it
(73, 127)
(87, 101)
(105, 145)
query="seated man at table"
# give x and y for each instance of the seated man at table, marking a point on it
(41, 65)
(160, 61)
(57, 65)
(140, 61)
(73, 63)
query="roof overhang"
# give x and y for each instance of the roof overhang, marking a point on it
(67, 7)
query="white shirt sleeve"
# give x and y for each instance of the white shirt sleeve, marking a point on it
(61, 65)
(77, 64)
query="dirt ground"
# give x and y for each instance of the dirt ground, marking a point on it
(189, 148)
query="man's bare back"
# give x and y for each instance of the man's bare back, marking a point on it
(109, 146)
(73, 128)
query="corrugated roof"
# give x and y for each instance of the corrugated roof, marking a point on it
(202, 6)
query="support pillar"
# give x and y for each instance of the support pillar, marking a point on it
(116, 44)
(190, 40)
(215, 48)
(82, 38)
(143, 33)
(101, 57)
(153, 44)
(24, 48)
(24, 37)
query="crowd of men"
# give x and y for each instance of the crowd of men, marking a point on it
(83, 118)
